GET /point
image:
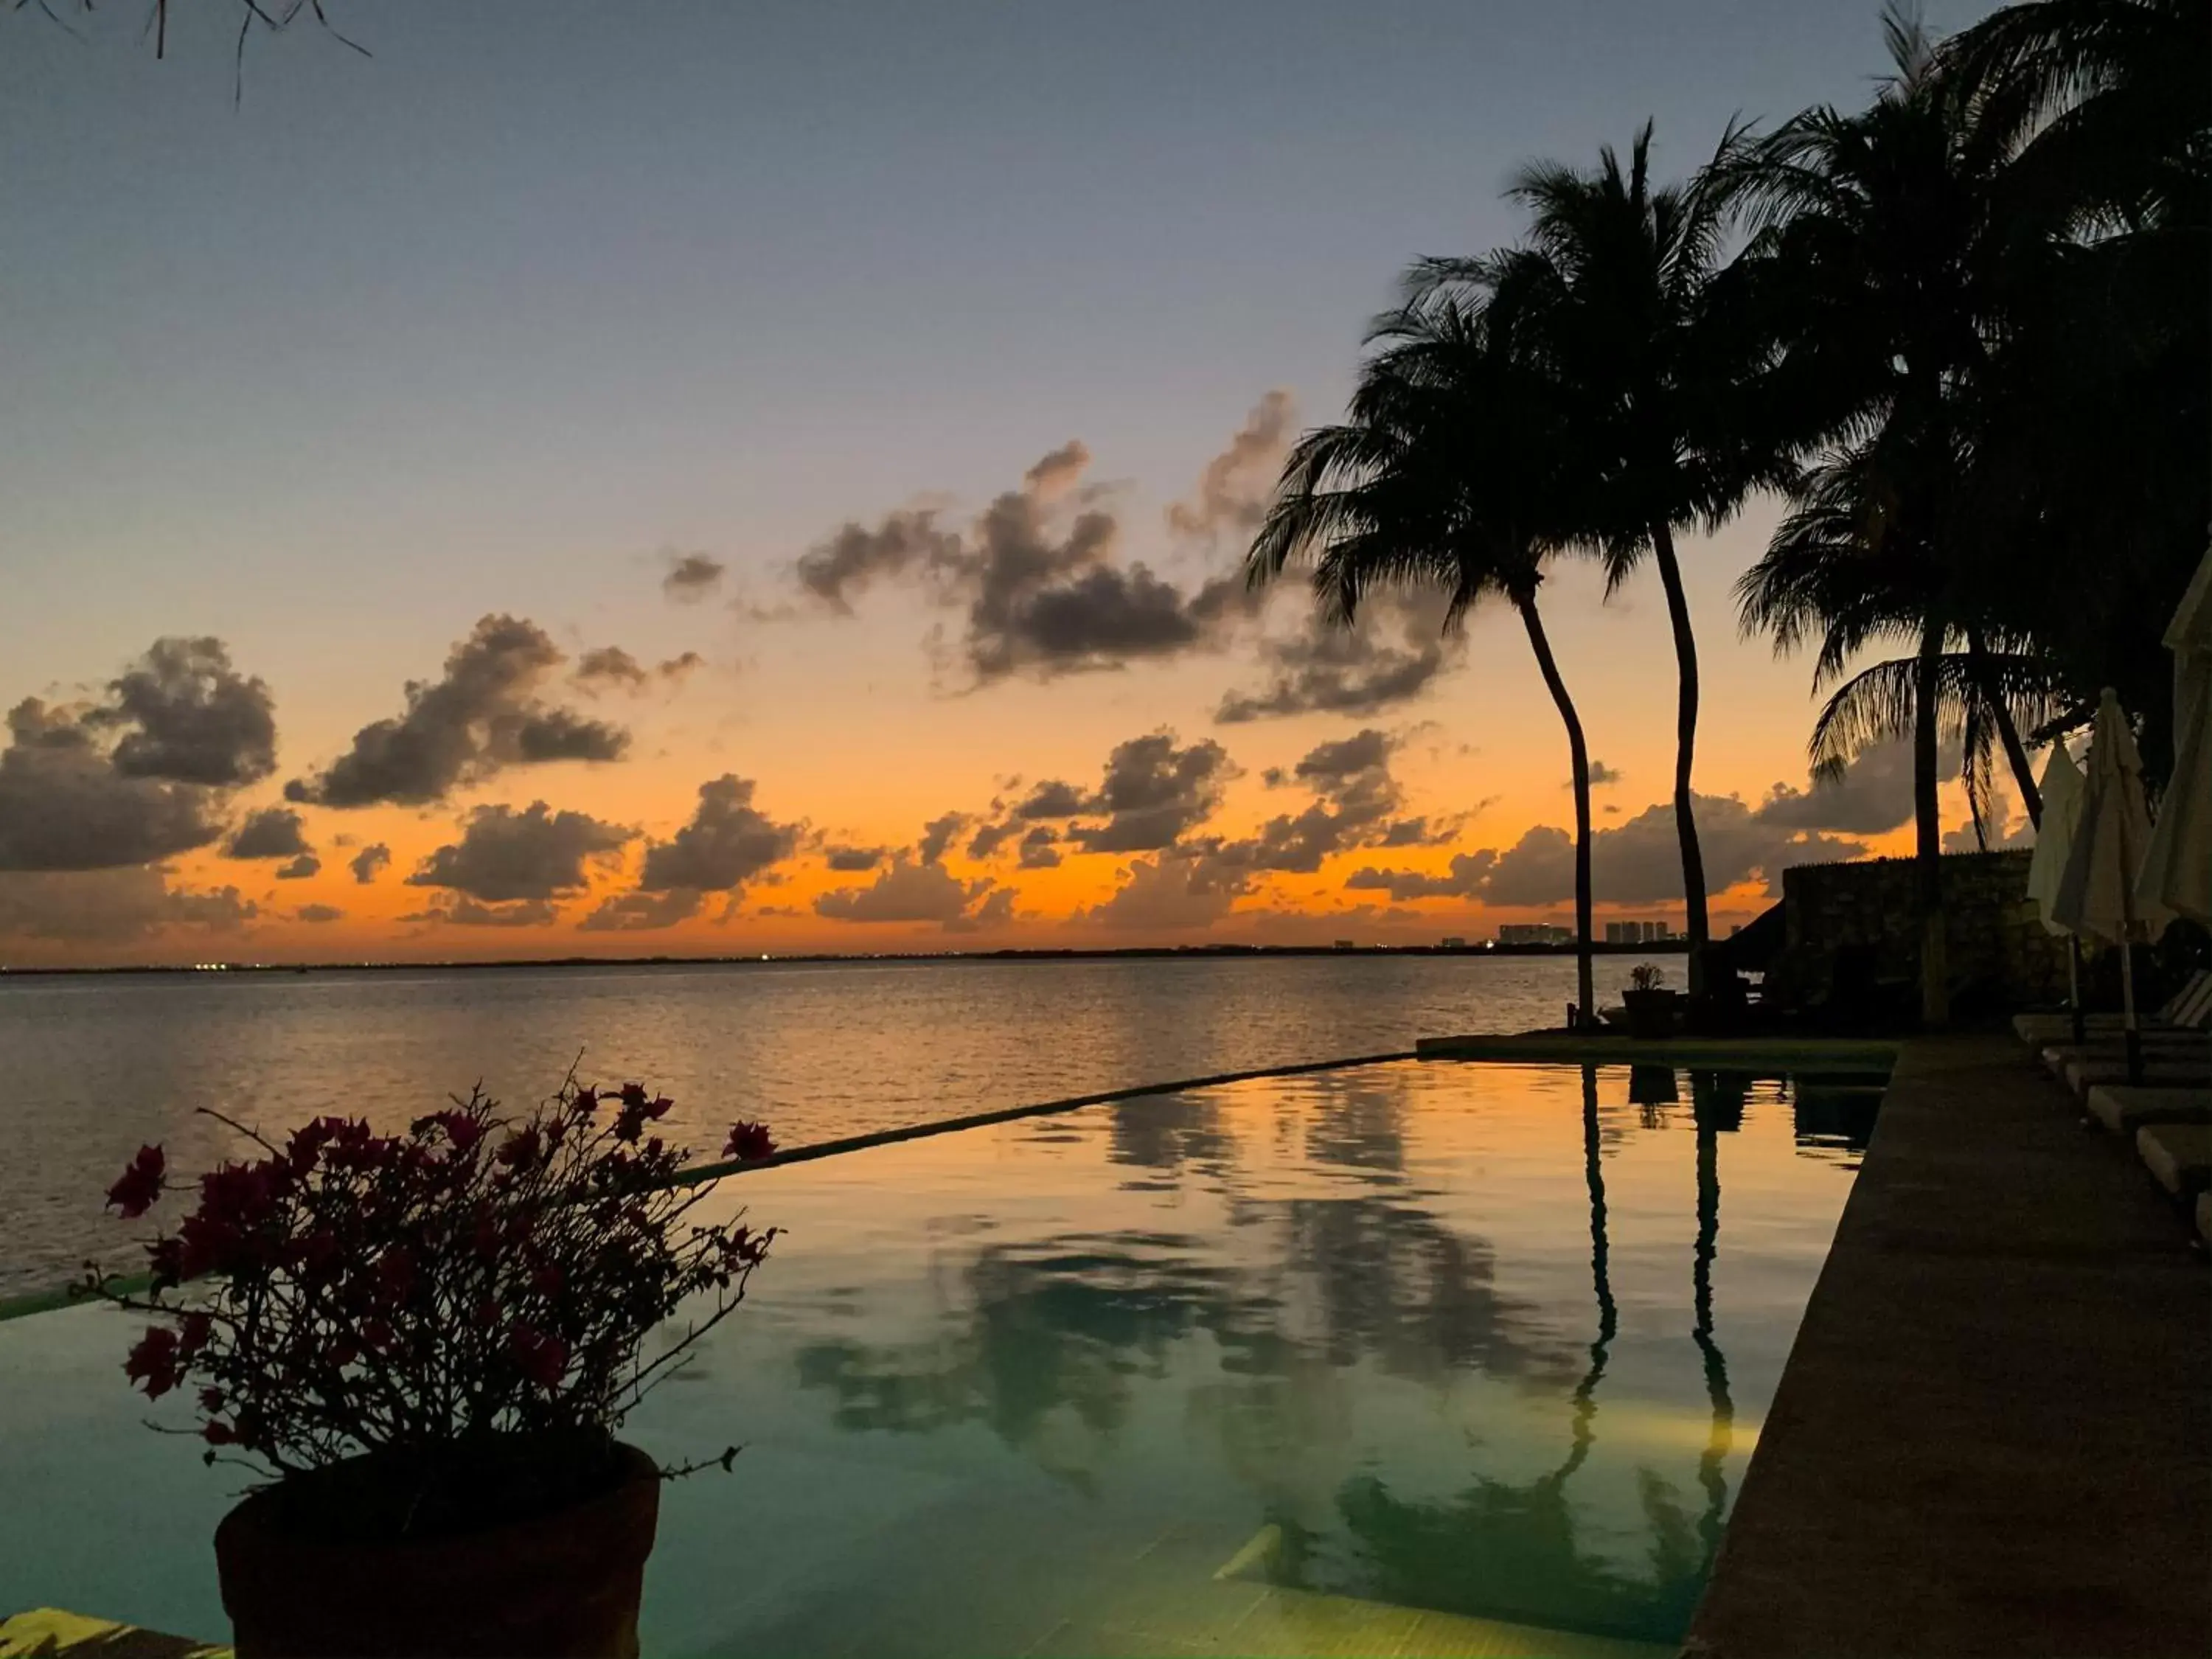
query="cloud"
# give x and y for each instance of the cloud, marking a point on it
(301, 868)
(480, 716)
(1040, 850)
(638, 911)
(1874, 794)
(65, 806)
(996, 910)
(690, 577)
(461, 911)
(988, 838)
(188, 717)
(1232, 494)
(1355, 800)
(1391, 657)
(837, 571)
(534, 854)
(853, 859)
(1637, 861)
(609, 666)
(728, 842)
(274, 832)
(110, 906)
(319, 913)
(1178, 890)
(1600, 775)
(1050, 799)
(1036, 575)
(937, 834)
(1152, 793)
(677, 669)
(368, 862)
(905, 890)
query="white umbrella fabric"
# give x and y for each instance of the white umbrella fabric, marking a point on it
(2097, 892)
(2177, 871)
(2062, 789)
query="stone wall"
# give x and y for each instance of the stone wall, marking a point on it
(1999, 954)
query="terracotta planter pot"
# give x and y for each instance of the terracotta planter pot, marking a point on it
(564, 1582)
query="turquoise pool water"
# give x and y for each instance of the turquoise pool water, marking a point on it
(1415, 1359)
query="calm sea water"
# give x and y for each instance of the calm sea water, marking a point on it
(97, 1065)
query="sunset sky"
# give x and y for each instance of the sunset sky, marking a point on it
(703, 477)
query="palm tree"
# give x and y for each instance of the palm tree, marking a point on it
(1880, 255)
(1448, 473)
(1608, 299)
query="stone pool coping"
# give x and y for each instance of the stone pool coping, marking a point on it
(1994, 1434)
(1781, 1054)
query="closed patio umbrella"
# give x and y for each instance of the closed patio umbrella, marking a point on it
(2177, 871)
(2054, 838)
(2096, 892)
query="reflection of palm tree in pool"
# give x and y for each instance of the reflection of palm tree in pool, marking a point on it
(1718, 1102)
(1608, 1315)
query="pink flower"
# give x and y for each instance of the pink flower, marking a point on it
(749, 1143)
(141, 1184)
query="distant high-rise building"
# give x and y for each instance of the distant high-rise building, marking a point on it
(1453, 942)
(1535, 932)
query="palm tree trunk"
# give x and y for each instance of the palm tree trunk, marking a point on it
(1928, 851)
(1685, 744)
(1578, 758)
(2007, 733)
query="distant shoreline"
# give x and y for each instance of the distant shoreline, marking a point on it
(1167, 952)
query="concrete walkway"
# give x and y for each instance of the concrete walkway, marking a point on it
(1993, 1434)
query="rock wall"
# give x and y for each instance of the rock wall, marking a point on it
(1998, 952)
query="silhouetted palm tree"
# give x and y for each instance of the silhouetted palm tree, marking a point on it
(1608, 299)
(1880, 257)
(1448, 473)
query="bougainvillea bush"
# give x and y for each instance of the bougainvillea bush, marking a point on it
(437, 1297)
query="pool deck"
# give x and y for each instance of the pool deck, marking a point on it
(1768, 1053)
(1993, 1434)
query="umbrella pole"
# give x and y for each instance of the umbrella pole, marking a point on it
(2074, 985)
(2127, 1014)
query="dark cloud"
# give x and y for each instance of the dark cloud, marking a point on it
(1637, 861)
(996, 910)
(64, 805)
(368, 862)
(728, 842)
(690, 577)
(1040, 850)
(1391, 657)
(1356, 801)
(988, 838)
(319, 913)
(110, 906)
(937, 834)
(609, 666)
(1057, 471)
(188, 717)
(274, 832)
(677, 669)
(1180, 889)
(853, 859)
(1152, 793)
(1232, 494)
(480, 717)
(839, 570)
(1050, 799)
(905, 890)
(1600, 775)
(1874, 794)
(300, 868)
(633, 913)
(462, 911)
(534, 854)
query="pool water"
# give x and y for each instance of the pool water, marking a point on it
(1417, 1359)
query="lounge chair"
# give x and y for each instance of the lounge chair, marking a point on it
(2162, 1071)
(2189, 1008)
(2123, 1110)
(2179, 1154)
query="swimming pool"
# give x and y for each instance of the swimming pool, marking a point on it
(1410, 1358)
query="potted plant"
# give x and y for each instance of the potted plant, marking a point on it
(1650, 1007)
(424, 1345)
